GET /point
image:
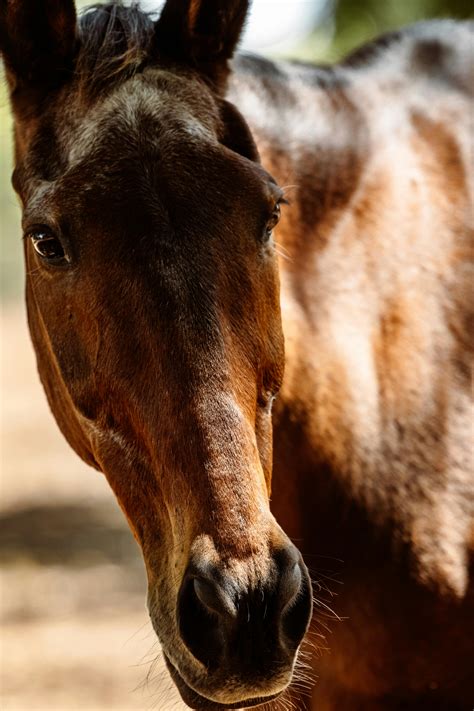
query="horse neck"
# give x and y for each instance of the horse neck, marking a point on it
(374, 274)
(373, 167)
(313, 139)
(301, 118)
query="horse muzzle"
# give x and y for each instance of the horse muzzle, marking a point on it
(243, 637)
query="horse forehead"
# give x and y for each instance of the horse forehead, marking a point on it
(140, 111)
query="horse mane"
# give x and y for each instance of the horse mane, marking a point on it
(114, 43)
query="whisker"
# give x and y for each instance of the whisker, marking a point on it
(282, 252)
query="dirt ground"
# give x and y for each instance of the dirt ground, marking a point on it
(75, 632)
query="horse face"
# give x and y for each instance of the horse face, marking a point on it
(153, 303)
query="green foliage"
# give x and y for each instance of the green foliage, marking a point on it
(357, 21)
(11, 276)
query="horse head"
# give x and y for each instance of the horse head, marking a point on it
(153, 305)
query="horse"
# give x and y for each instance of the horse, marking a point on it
(210, 363)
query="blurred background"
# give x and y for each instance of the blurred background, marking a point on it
(75, 633)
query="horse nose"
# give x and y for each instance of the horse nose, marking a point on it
(214, 597)
(225, 624)
(294, 597)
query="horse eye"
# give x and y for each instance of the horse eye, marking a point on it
(47, 246)
(273, 221)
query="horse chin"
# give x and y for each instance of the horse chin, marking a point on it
(195, 701)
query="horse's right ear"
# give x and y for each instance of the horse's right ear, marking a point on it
(202, 34)
(37, 41)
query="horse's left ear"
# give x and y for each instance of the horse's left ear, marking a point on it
(202, 34)
(37, 41)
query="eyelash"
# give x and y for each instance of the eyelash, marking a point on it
(275, 218)
(47, 245)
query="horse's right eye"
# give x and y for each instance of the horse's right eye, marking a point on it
(48, 246)
(273, 221)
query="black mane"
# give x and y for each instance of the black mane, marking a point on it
(114, 42)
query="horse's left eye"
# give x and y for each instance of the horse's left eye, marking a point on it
(48, 246)
(273, 221)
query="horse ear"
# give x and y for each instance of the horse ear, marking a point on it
(37, 40)
(201, 33)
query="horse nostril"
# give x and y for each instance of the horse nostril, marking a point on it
(294, 596)
(297, 604)
(290, 585)
(199, 620)
(214, 597)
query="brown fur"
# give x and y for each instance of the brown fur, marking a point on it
(160, 342)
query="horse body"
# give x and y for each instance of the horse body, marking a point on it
(372, 436)
(154, 307)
